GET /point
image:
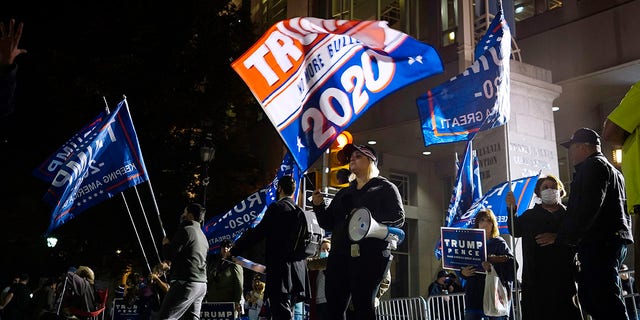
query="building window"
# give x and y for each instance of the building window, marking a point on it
(525, 9)
(449, 17)
(387, 10)
(405, 184)
(273, 11)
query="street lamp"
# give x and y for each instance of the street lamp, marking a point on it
(51, 242)
(207, 154)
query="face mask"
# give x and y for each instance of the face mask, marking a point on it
(550, 196)
(324, 254)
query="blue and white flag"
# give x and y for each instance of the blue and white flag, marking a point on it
(495, 199)
(249, 212)
(466, 191)
(104, 163)
(49, 168)
(315, 77)
(475, 100)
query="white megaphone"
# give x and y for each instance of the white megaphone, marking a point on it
(362, 225)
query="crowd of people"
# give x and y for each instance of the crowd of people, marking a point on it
(572, 254)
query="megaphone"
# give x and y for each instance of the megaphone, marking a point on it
(362, 225)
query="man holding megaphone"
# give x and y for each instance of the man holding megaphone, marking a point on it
(359, 261)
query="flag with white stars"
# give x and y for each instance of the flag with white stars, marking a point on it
(475, 100)
(105, 161)
(315, 77)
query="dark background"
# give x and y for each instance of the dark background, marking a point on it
(172, 61)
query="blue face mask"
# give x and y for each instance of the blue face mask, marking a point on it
(324, 254)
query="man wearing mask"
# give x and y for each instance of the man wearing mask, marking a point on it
(186, 254)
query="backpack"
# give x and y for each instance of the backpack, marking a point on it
(306, 237)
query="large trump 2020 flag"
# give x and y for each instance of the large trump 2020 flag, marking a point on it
(106, 161)
(475, 100)
(315, 77)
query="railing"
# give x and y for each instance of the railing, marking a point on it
(446, 306)
(402, 308)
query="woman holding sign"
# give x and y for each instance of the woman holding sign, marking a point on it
(499, 256)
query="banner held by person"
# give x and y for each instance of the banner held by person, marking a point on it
(106, 163)
(315, 77)
(249, 212)
(466, 191)
(475, 100)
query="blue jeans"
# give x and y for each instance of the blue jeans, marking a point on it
(599, 285)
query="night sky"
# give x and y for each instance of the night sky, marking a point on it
(80, 53)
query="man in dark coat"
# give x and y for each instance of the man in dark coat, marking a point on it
(598, 224)
(287, 278)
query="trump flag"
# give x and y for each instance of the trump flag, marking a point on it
(249, 212)
(466, 191)
(475, 100)
(495, 199)
(106, 162)
(315, 77)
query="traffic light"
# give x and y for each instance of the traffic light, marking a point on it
(339, 173)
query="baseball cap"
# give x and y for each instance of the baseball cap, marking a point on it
(442, 273)
(345, 153)
(583, 135)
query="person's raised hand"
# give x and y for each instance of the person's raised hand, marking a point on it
(9, 42)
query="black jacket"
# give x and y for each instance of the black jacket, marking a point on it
(597, 210)
(283, 274)
(378, 195)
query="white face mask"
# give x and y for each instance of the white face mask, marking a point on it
(550, 196)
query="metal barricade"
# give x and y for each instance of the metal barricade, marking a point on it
(446, 306)
(414, 308)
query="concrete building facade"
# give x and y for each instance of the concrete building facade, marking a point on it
(578, 55)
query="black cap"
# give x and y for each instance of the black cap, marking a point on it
(583, 135)
(443, 273)
(345, 153)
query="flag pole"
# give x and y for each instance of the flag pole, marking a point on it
(153, 196)
(516, 294)
(124, 199)
(144, 214)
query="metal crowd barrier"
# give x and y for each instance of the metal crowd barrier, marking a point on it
(414, 308)
(446, 306)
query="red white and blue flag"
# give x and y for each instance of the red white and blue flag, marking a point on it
(104, 162)
(475, 100)
(315, 77)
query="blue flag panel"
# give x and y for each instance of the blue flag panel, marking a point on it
(249, 212)
(475, 100)
(106, 161)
